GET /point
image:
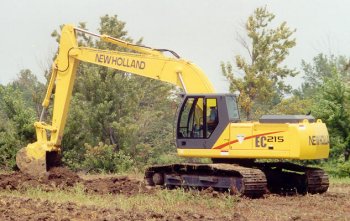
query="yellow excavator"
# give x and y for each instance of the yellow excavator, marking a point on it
(208, 126)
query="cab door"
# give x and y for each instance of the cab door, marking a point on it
(201, 121)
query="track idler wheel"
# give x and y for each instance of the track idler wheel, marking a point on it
(158, 178)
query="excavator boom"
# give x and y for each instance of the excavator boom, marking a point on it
(37, 157)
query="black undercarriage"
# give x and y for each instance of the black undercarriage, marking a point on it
(245, 177)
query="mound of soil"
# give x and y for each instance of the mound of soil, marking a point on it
(63, 178)
(123, 185)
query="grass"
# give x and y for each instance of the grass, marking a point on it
(162, 201)
(4, 171)
(337, 180)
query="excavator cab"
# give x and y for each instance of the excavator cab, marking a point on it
(202, 118)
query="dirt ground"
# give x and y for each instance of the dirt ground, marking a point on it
(333, 205)
(17, 208)
(60, 177)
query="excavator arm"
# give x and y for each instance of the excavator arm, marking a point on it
(37, 157)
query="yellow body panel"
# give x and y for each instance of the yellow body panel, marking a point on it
(268, 141)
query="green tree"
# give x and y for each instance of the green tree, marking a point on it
(262, 84)
(31, 89)
(319, 71)
(292, 105)
(326, 82)
(19, 101)
(333, 108)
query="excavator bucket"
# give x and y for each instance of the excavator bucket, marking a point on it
(35, 160)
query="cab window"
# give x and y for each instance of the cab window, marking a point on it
(191, 119)
(199, 118)
(232, 108)
(212, 116)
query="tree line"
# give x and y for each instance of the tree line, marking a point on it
(259, 79)
(118, 122)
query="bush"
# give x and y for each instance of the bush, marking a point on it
(9, 145)
(337, 169)
(104, 158)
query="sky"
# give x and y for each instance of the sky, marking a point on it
(202, 31)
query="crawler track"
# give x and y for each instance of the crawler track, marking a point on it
(317, 180)
(286, 177)
(252, 180)
(240, 180)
